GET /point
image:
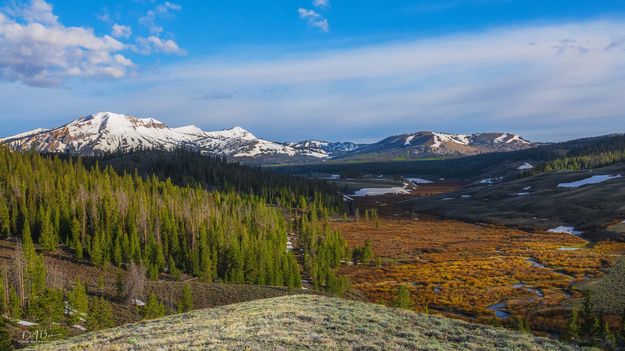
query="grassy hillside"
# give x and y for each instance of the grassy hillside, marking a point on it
(304, 322)
(608, 293)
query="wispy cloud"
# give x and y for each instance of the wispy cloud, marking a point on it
(314, 19)
(155, 42)
(321, 3)
(506, 79)
(161, 11)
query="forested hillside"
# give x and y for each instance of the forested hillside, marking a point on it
(191, 168)
(602, 152)
(104, 217)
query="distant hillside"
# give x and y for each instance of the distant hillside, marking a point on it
(304, 323)
(590, 201)
(430, 144)
(570, 155)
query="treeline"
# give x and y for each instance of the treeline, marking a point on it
(604, 152)
(456, 168)
(105, 218)
(192, 168)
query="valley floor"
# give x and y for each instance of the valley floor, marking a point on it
(487, 273)
(477, 272)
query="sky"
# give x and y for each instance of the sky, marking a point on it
(337, 70)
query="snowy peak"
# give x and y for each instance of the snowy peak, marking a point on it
(232, 133)
(330, 149)
(428, 144)
(108, 132)
(190, 129)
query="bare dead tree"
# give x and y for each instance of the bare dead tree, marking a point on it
(5, 283)
(134, 285)
(19, 266)
(55, 277)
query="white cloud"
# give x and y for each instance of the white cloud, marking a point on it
(154, 44)
(166, 6)
(163, 10)
(314, 19)
(38, 11)
(121, 31)
(43, 52)
(321, 3)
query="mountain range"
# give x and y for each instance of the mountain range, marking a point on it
(107, 132)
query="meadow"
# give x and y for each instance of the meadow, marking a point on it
(476, 272)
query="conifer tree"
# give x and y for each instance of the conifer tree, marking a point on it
(186, 300)
(572, 331)
(78, 301)
(587, 320)
(173, 270)
(403, 299)
(153, 308)
(47, 237)
(100, 314)
(15, 306)
(5, 338)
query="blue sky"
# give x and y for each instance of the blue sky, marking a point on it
(326, 69)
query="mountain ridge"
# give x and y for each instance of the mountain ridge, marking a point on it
(108, 132)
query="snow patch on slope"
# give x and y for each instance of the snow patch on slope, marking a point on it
(564, 230)
(419, 181)
(381, 191)
(588, 181)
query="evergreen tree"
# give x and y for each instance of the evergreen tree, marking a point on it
(78, 301)
(15, 306)
(186, 301)
(572, 331)
(100, 315)
(119, 285)
(5, 338)
(173, 270)
(403, 299)
(153, 308)
(621, 337)
(587, 320)
(47, 236)
(523, 326)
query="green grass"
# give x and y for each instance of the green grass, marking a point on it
(304, 322)
(608, 293)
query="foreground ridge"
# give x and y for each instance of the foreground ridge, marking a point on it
(303, 322)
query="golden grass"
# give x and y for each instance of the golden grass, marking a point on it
(460, 269)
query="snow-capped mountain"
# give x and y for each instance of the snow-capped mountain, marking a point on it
(427, 144)
(324, 147)
(107, 132)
